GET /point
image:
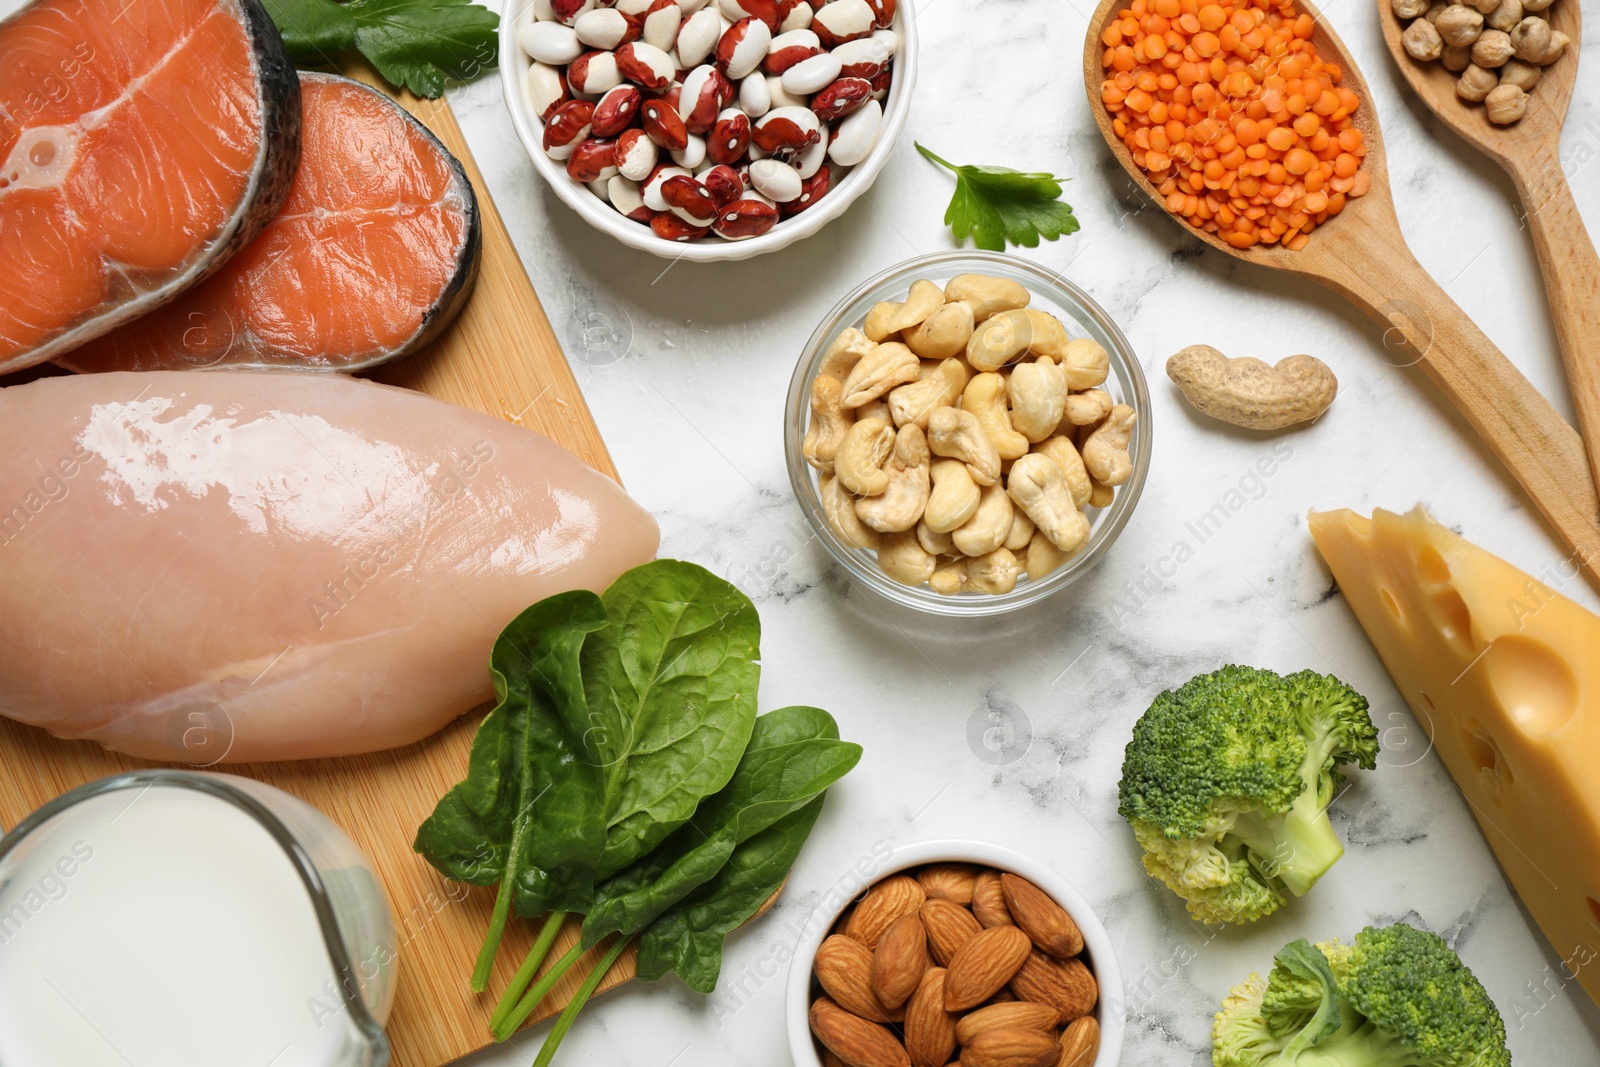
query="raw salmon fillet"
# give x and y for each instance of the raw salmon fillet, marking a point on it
(142, 142)
(372, 255)
(266, 566)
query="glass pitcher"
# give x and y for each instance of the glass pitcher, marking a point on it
(174, 917)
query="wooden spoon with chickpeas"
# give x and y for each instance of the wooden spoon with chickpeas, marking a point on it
(1356, 250)
(1502, 81)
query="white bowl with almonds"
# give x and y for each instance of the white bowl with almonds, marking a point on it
(967, 433)
(960, 949)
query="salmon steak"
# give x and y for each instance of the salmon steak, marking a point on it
(372, 255)
(222, 568)
(143, 143)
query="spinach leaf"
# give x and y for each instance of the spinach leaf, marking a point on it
(786, 765)
(419, 44)
(671, 694)
(529, 813)
(687, 938)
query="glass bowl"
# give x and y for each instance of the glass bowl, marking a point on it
(1082, 318)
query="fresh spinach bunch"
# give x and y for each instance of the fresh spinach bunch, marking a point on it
(625, 775)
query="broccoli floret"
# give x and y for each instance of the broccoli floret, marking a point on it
(1227, 782)
(1397, 997)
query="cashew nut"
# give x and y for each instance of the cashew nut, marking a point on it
(1247, 392)
(1038, 394)
(1072, 467)
(1022, 529)
(874, 409)
(938, 544)
(829, 423)
(859, 461)
(840, 509)
(1101, 495)
(949, 578)
(943, 334)
(1044, 557)
(989, 526)
(985, 398)
(899, 506)
(903, 559)
(1038, 487)
(1086, 363)
(954, 498)
(1087, 407)
(993, 572)
(986, 295)
(922, 301)
(999, 339)
(1105, 452)
(886, 366)
(959, 435)
(876, 324)
(940, 386)
(1048, 337)
(845, 352)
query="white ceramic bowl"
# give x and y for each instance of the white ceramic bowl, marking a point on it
(514, 65)
(1110, 1011)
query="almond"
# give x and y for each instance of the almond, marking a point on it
(831, 1060)
(900, 960)
(983, 965)
(930, 1030)
(883, 904)
(844, 968)
(1018, 1015)
(989, 900)
(1080, 1041)
(949, 927)
(1041, 918)
(948, 881)
(1011, 1048)
(1065, 985)
(854, 1040)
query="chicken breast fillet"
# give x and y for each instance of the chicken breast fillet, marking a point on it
(237, 567)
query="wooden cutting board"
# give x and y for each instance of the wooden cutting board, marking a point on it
(501, 357)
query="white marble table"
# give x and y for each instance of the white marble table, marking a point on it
(685, 368)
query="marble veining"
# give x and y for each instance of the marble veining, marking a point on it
(1012, 729)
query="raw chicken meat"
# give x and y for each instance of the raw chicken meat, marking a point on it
(264, 566)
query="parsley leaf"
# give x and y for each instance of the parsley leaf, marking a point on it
(997, 204)
(420, 44)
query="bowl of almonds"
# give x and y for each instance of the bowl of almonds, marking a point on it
(967, 433)
(964, 951)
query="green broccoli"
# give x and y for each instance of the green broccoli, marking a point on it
(1397, 997)
(1227, 782)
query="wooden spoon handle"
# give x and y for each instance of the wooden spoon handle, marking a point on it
(1572, 279)
(1423, 326)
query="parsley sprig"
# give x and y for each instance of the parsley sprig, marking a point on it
(420, 44)
(997, 204)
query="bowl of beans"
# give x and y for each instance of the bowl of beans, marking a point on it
(967, 433)
(708, 129)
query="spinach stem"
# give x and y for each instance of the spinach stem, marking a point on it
(530, 966)
(540, 988)
(497, 929)
(569, 1015)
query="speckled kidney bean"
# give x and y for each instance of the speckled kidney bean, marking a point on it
(739, 104)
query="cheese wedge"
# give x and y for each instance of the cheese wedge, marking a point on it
(1504, 675)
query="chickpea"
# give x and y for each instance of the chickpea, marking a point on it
(1531, 39)
(1506, 104)
(1456, 58)
(1476, 83)
(1459, 25)
(1492, 49)
(1506, 15)
(1423, 42)
(1523, 75)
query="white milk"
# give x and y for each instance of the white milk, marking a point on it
(163, 928)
